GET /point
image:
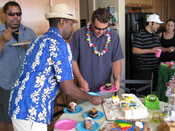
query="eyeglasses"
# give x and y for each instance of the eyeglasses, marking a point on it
(97, 28)
(13, 14)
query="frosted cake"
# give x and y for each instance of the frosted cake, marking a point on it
(126, 106)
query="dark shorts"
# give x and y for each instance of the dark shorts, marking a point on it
(4, 102)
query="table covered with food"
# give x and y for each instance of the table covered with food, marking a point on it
(119, 112)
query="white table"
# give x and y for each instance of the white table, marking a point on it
(87, 106)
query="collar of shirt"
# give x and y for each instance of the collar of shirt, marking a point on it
(55, 31)
(3, 27)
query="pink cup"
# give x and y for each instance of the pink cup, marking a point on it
(158, 53)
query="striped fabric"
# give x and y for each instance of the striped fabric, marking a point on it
(146, 40)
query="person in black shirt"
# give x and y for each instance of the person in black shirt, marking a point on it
(145, 45)
(168, 41)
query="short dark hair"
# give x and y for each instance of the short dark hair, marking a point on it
(10, 3)
(53, 22)
(172, 20)
(101, 14)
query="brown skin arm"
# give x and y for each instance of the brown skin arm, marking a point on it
(70, 89)
(2, 43)
(6, 36)
(82, 82)
(144, 51)
(116, 67)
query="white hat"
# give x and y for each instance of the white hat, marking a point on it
(154, 18)
(61, 11)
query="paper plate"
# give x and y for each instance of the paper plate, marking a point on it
(113, 89)
(80, 127)
(66, 124)
(100, 115)
(21, 43)
(78, 109)
(93, 94)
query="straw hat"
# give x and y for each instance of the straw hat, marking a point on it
(154, 18)
(61, 11)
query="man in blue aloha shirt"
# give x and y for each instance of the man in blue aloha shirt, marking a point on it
(47, 67)
(12, 31)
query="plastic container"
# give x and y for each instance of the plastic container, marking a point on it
(170, 93)
(152, 102)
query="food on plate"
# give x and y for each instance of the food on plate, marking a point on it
(88, 123)
(108, 86)
(93, 113)
(72, 106)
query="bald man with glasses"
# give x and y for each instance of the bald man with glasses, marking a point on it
(97, 53)
(11, 57)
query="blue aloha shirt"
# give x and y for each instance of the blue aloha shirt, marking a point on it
(47, 63)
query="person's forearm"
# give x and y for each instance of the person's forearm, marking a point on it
(76, 71)
(70, 89)
(116, 67)
(141, 51)
(2, 43)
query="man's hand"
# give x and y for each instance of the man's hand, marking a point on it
(70, 89)
(117, 83)
(7, 35)
(171, 49)
(96, 100)
(84, 85)
(155, 49)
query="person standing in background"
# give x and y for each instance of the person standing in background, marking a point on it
(11, 57)
(168, 41)
(97, 53)
(146, 44)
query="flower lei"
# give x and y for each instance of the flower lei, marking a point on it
(93, 45)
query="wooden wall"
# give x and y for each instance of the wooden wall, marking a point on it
(165, 8)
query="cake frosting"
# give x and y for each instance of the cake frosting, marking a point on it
(126, 106)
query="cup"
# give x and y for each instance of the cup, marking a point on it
(158, 53)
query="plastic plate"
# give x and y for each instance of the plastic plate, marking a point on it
(66, 124)
(78, 109)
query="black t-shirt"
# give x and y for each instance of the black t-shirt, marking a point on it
(146, 40)
(168, 43)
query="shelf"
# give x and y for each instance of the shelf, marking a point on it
(138, 6)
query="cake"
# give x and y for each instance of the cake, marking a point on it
(108, 86)
(126, 106)
(93, 113)
(88, 123)
(72, 106)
